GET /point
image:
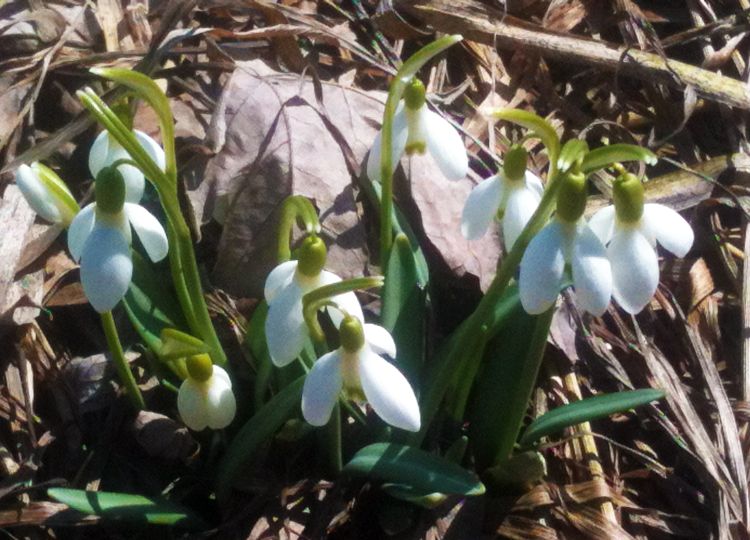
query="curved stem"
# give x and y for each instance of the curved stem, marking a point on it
(121, 364)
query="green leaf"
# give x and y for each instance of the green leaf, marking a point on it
(125, 507)
(415, 62)
(587, 410)
(420, 471)
(257, 431)
(615, 153)
(537, 124)
(409, 494)
(404, 307)
(522, 469)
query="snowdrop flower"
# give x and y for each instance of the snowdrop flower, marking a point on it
(46, 193)
(205, 398)
(632, 229)
(357, 368)
(100, 237)
(566, 243)
(417, 129)
(106, 150)
(512, 195)
(286, 330)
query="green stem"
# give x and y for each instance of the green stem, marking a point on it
(121, 365)
(333, 439)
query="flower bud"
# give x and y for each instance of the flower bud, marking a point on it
(109, 190)
(628, 195)
(200, 367)
(312, 256)
(46, 193)
(571, 199)
(351, 334)
(514, 164)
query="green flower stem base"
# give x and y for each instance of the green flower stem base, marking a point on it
(121, 365)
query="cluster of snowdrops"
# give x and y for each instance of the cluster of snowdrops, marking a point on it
(612, 255)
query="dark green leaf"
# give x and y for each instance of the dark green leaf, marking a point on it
(587, 410)
(128, 508)
(615, 153)
(420, 471)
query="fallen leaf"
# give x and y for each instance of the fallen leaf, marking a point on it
(163, 437)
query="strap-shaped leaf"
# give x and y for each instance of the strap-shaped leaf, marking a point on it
(422, 472)
(535, 123)
(587, 410)
(126, 507)
(615, 153)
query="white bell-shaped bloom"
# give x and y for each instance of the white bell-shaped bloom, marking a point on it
(632, 249)
(558, 246)
(101, 242)
(46, 193)
(364, 375)
(286, 330)
(106, 150)
(514, 200)
(417, 129)
(207, 403)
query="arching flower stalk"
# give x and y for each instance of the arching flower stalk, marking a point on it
(631, 230)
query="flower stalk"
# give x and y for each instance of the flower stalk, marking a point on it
(121, 364)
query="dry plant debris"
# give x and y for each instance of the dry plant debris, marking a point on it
(273, 99)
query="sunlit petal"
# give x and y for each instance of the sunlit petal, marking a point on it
(191, 402)
(79, 230)
(99, 152)
(322, 388)
(347, 302)
(592, 275)
(446, 146)
(542, 269)
(603, 223)
(106, 268)
(149, 230)
(669, 228)
(635, 269)
(278, 278)
(398, 144)
(521, 205)
(152, 148)
(286, 330)
(481, 207)
(37, 195)
(380, 340)
(388, 392)
(221, 405)
(534, 183)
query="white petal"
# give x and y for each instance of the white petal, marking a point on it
(521, 205)
(542, 269)
(446, 147)
(603, 223)
(534, 183)
(321, 390)
(135, 182)
(669, 228)
(98, 153)
(149, 230)
(380, 340)
(79, 230)
(279, 277)
(398, 144)
(635, 269)
(220, 403)
(191, 402)
(592, 275)
(106, 268)
(152, 148)
(388, 391)
(286, 330)
(347, 302)
(37, 195)
(481, 207)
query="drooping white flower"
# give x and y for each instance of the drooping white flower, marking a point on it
(205, 398)
(632, 234)
(558, 246)
(46, 193)
(417, 129)
(358, 369)
(512, 195)
(99, 237)
(106, 150)
(286, 330)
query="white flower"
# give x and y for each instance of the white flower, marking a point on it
(361, 373)
(286, 330)
(559, 245)
(417, 130)
(101, 241)
(46, 193)
(632, 249)
(516, 200)
(106, 150)
(209, 403)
